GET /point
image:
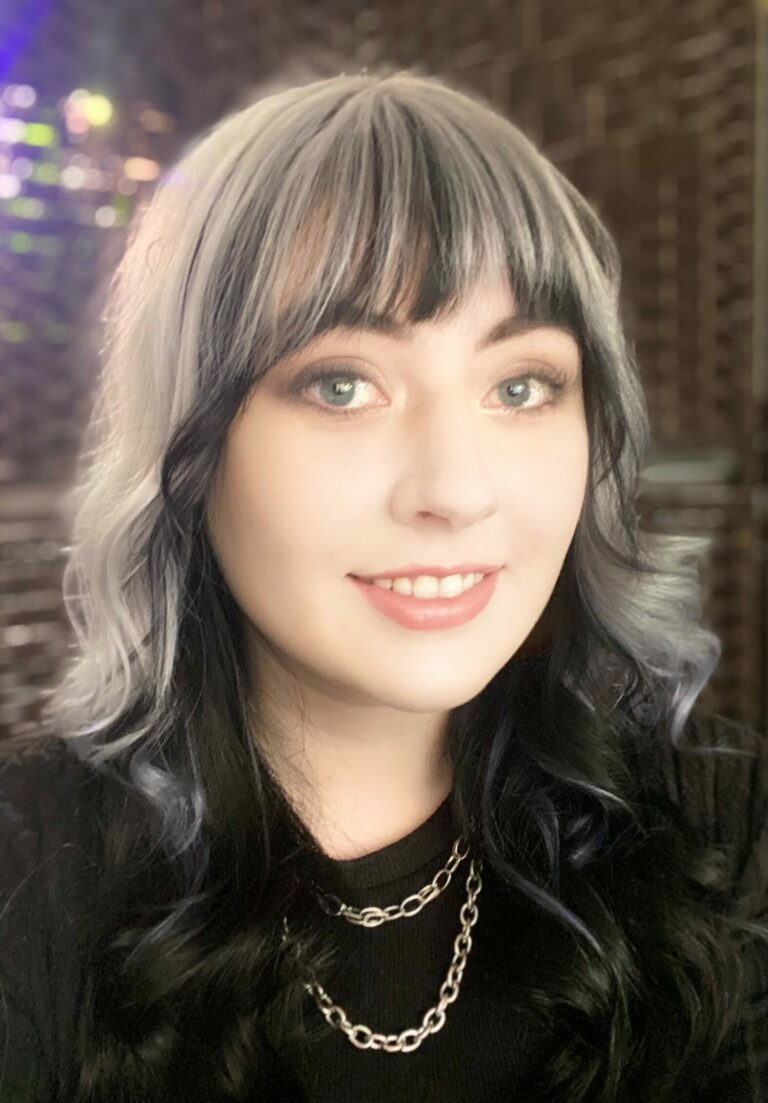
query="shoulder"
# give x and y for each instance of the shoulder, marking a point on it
(49, 831)
(48, 871)
(65, 825)
(716, 775)
(717, 769)
(39, 756)
(44, 791)
(46, 824)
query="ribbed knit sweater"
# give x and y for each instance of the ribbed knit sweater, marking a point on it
(491, 1043)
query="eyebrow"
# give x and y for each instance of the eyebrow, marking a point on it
(513, 326)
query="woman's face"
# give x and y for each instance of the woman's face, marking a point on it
(458, 454)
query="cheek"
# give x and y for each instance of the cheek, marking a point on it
(284, 505)
(544, 495)
(310, 505)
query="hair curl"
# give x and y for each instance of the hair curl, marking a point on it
(348, 197)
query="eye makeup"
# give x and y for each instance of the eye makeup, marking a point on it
(545, 378)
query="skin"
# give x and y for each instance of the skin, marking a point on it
(440, 469)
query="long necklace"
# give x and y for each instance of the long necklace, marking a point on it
(362, 1036)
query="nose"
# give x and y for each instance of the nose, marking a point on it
(446, 472)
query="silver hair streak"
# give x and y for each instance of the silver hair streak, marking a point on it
(362, 194)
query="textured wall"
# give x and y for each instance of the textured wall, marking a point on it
(650, 110)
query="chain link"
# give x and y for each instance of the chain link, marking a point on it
(412, 905)
(362, 1036)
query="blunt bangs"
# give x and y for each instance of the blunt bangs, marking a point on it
(394, 212)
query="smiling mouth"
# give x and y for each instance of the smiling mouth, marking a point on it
(426, 587)
(427, 609)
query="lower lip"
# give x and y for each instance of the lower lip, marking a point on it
(423, 613)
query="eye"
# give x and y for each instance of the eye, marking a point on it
(334, 384)
(525, 393)
(519, 389)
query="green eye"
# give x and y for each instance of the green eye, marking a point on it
(331, 384)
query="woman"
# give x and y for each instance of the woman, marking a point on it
(377, 773)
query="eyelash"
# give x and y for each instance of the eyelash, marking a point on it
(553, 377)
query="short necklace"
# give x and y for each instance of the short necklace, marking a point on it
(362, 1036)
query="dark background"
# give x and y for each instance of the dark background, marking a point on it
(657, 112)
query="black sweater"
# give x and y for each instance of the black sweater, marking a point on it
(387, 976)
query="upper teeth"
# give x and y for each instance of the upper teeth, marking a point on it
(426, 585)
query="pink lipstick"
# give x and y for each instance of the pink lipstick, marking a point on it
(430, 613)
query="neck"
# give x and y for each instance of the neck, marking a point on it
(357, 794)
(360, 819)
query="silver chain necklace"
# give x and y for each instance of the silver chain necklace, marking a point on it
(362, 1036)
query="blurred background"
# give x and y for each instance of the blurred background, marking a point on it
(657, 112)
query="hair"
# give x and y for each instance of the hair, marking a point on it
(365, 195)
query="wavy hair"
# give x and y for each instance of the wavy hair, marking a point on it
(382, 193)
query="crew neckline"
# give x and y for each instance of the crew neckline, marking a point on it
(396, 860)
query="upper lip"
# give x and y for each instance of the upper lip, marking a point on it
(415, 569)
